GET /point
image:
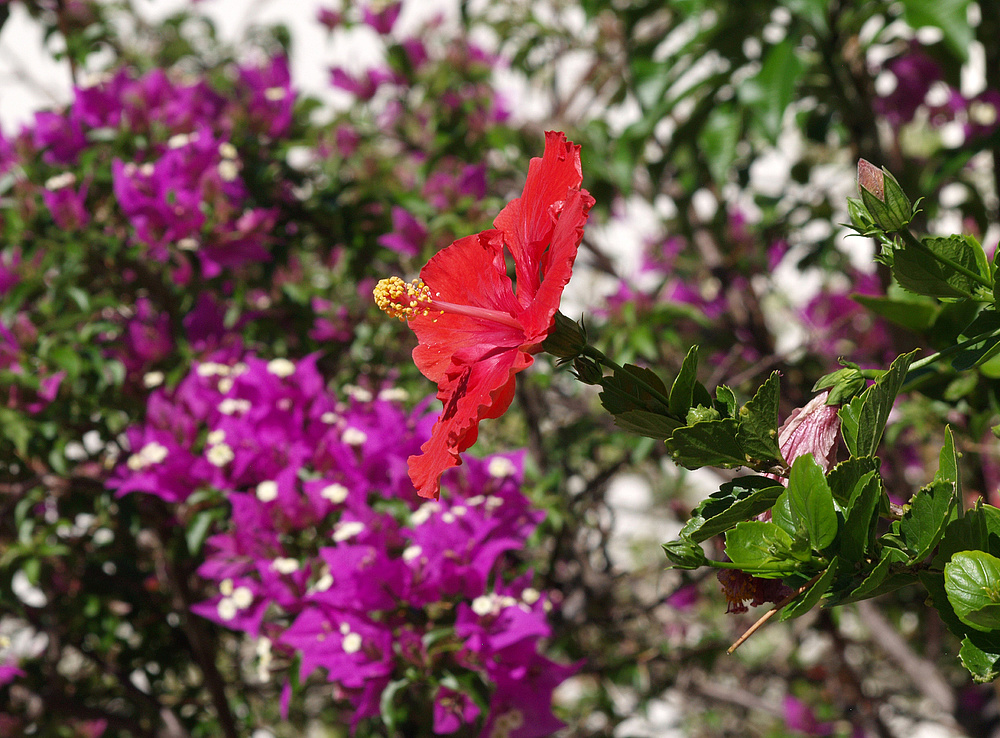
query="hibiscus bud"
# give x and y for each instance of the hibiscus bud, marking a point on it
(587, 370)
(812, 430)
(685, 554)
(843, 384)
(567, 340)
(882, 196)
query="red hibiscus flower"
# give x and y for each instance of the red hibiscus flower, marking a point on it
(476, 329)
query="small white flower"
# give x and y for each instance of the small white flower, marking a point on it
(152, 379)
(151, 453)
(358, 394)
(352, 643)
(394, 394)
(281, 367)
(227, 150)
(354, 436)
(329, 417)
(323, 583)
(225, 384)
(459, 510)
(178, 140)
(412, 552)
(188, 244)
(264, 659)
(226, 587)
(347, 530)
(508, 601)
(220, 455)
(274, 94)
(234, 405)
(285, 565)
(242, 597)
(448, 518)
(59, 181)
(501, 467)
(216, 436)
(482, 605)
(147, 169)
(474, 501)
(493, 502)
(267, 491)
(335, 493)
(211, 368)
(238, 368)
(345, 628)
(530, 595)
(423, 513)
(227, 609)
(228, 170)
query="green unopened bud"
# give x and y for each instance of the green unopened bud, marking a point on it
(700, 413)
(883, 198)
(843, 384)
(685, 554)
(587, 370)
(567, 340)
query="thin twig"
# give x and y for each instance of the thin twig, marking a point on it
(771, 613)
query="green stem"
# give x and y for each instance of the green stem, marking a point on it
(772, 567)
(599, 356)
(952, 350)
(913, 241)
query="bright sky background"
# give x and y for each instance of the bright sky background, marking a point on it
(30, 79)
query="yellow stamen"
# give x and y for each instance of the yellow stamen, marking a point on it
(407, 300)
(401, 299)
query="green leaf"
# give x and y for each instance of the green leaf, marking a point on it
(988, 321)
(948, 463)
(682, 390)
(725, 399)
(878, 402)
(387, 708)
(916, 315)
(917, 270)
(758, 423)
(14, 428)
(972, 583)
(708, 443)
(924, 522)
(760, 548)
(811, 501)
(645, 423)
(741, 499)
(859, 524)
(718, 138)
(951, 16)
(629, 389)
(849, 415)
(984, 666)
(969, 532)
(785, 518)
(768, 94)
(844, 477)
(988, 642)
(807, 600)
(199, 528)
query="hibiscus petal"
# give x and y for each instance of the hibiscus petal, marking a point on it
(557, 265)
(469, 272)
(470, 393)
(527, 222)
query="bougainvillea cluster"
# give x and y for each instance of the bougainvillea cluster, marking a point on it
(330, 562)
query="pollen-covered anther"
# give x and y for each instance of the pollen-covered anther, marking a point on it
(400, 299)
